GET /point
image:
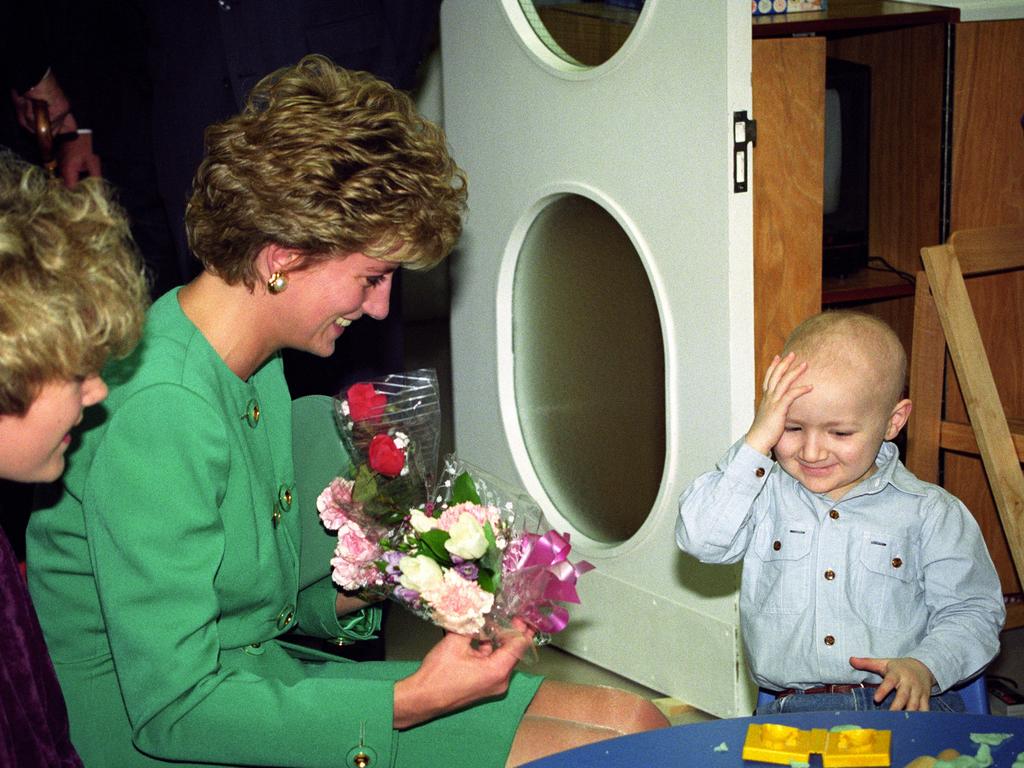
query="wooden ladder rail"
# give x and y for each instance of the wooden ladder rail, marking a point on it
(944, 318)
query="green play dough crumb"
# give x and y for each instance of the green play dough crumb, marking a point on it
(723, 747)
(798, 764)
(841, 728)
(984, 756)
(992, 739)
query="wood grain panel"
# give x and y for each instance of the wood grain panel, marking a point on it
(988, 143)
(788, 104)
(988, 189)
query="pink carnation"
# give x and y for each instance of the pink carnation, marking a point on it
(354, 558)
(459, 605)
(335, 501)
(515, 553)
(483, 513)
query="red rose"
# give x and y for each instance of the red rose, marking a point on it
(365, 402)
(386, 457)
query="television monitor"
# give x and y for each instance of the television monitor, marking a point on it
(847, 137)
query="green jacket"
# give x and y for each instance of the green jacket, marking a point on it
(171, 568)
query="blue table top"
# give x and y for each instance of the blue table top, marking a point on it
(913, 734)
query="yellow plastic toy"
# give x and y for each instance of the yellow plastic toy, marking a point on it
(839, 748)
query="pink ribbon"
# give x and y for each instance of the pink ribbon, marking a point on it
(545, 576)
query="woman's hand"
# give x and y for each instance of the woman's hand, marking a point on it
(455, 674)
(345, 604)
(780, 390)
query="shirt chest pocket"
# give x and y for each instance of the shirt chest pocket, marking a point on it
(783, 581)
(885, 587)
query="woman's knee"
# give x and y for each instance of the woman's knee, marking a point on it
(600, 706)
(645, 716)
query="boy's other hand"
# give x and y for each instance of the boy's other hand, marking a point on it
(780, 390)
(911, 680)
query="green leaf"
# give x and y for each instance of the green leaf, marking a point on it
(384, 512)
(464, 490)
(434, 542)
(365, 487)
(488, 581)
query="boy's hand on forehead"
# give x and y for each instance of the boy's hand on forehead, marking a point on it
(779, 390)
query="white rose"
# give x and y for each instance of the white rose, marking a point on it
(467, 538)
(420, 522)
(420, 573)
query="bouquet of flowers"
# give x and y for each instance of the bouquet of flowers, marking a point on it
(469, 560)
(391, 430)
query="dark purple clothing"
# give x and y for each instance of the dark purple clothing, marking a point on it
(33, 718)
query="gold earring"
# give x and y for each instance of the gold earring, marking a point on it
(277, 283)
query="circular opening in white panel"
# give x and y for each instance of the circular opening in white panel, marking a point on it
(584, 34)
(589, 369)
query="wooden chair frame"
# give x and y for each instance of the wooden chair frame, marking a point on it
(944, 318)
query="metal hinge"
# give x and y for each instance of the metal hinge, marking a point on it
(744, 132)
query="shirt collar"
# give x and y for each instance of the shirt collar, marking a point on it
(890, 472)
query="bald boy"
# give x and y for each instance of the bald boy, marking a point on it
(862, 587)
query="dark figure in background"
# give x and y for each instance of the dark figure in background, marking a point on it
(102, 63)
(27, 44)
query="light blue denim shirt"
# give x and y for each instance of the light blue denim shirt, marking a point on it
(897, 567)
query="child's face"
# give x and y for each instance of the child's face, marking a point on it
(32, 445)
(833, 432)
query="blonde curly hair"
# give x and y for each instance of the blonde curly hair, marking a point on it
(329, 162)
(72, 287)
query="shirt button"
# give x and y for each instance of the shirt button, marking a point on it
(759, 472)
(284, 618)
(830, 574)
(252, 413)
(284, 497)
(275, 516)
(776, 545)
(834, 514)
(361, 757)
(829, 640)
(897, 562)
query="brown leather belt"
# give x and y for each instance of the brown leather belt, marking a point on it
(831, 688)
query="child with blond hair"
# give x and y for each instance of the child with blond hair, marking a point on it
(72, 293)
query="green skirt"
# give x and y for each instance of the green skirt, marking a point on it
(477, 737)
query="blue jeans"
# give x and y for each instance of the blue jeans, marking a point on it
(857, 700)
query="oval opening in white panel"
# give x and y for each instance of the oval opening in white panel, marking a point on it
(589, 369)
(585, 34)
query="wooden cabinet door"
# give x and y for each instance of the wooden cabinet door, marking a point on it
(789, 105)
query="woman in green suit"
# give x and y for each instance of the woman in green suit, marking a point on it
(169, 573)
